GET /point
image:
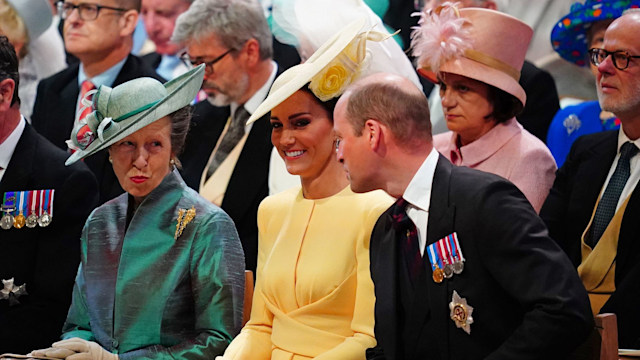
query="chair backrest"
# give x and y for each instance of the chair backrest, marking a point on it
(248, 296)
(602, 343)
(607, 326)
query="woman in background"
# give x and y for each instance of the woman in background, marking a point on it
(477, 68)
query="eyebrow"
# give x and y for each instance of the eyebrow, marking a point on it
(292, 116)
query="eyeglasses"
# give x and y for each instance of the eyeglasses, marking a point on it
(86, 11)
(208, 65)
(620, 58)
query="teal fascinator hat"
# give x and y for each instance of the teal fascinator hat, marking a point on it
(120, 111)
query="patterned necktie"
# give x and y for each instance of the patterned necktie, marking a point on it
(234, 133)
(607, 205)
(84, 89)
(407, 232)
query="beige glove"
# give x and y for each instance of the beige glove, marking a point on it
(52, 352)
(84, 350)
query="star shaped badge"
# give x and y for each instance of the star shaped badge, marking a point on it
(460, 312)
(12, 292)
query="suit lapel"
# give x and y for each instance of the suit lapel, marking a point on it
(254, 159)
(441, 224)
(60, 127)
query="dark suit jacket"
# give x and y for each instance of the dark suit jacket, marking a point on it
(46, 259)
(54, 113)
(542, 100)
(567, 212)
(528, 300)
(248, 184)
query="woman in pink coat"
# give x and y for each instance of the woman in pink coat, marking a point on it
(477, 67)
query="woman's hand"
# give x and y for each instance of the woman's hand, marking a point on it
(52, 352)
(76, 349)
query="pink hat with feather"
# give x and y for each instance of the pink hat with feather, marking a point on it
(481, 44)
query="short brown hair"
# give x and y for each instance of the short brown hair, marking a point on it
(505, 105)
(405, 112)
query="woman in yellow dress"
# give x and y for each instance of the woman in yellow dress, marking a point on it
(314, 295)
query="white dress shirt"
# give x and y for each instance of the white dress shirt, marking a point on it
(8, 146)
(418, 195)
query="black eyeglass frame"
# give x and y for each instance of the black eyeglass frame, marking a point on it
(618, 55)
(82, 7)
(208, 65)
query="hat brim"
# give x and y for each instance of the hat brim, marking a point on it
(298, 76)
(36, 14)
(569, 35)
(478, 71)
(180, 92)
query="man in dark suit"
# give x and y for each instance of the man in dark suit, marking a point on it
(593, 207)
(227, 161)
(42, 260)
(491, 284)
(102, 38)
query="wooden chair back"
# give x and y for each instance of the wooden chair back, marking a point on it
(248, 296)
(602, 344)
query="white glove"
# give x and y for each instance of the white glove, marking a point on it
(51, 352)
(84, 350)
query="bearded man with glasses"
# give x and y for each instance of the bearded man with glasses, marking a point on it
(100, 34)
(593, 208)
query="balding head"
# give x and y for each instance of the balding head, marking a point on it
(393, 101)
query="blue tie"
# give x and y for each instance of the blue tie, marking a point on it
(607, 205)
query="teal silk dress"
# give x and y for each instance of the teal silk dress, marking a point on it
(143, 294)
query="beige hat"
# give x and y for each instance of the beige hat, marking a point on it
(335, 65)
(481, 44)
(127, 108)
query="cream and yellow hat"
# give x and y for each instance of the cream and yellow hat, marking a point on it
(336, 64)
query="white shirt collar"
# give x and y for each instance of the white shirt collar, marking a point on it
(623, 138)
(9, 145)
(418, 193)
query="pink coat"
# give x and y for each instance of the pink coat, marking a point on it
(507, 150)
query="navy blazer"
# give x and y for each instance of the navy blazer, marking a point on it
(248, 184)
(567, 212)
(54, 113)
(528, 300)
(45, 259)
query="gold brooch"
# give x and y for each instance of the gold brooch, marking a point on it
(184, 218)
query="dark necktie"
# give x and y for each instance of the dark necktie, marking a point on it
(607, 205)
(408, 234)
(234, 133)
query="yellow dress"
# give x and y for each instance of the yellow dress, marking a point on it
(314, 295)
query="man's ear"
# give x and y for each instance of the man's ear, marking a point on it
(251, 50)
(490, 4)
(373, 132)
(128, 22)
(7, 88)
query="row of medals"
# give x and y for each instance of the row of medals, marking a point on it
(19, 221)
(449, 269)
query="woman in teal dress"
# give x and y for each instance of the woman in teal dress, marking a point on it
(162, 270)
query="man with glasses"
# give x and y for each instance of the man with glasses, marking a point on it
(593, 208)
(100, 34)
(227, 161)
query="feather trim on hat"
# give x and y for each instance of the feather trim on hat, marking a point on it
(441, 36)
